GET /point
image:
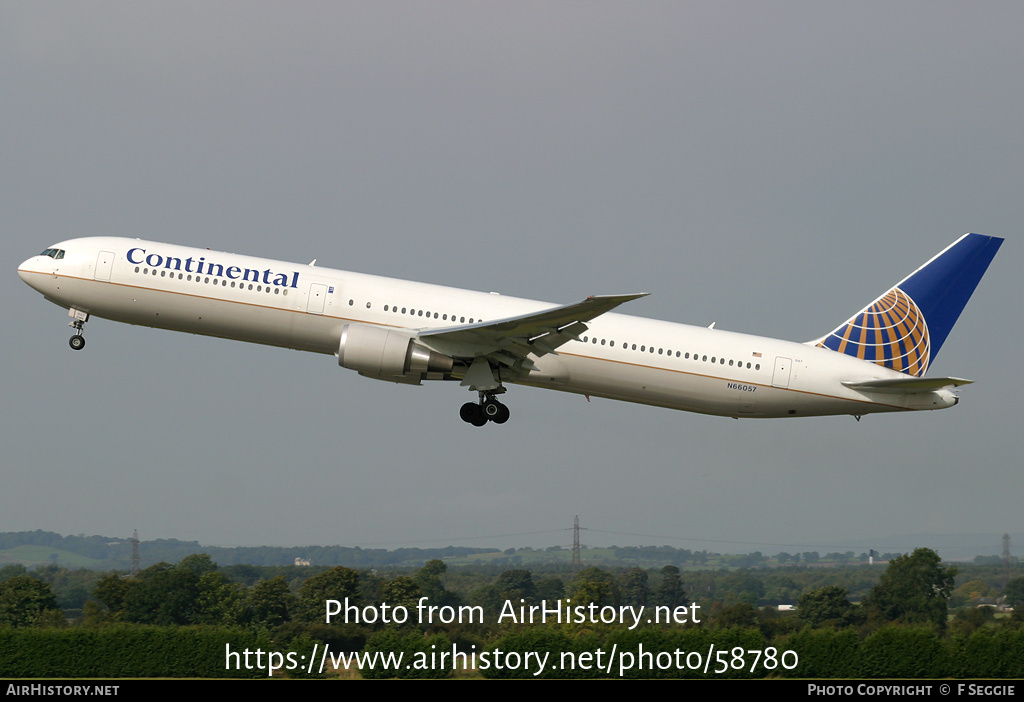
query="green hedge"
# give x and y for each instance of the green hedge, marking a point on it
(907, 652)
(125, 652)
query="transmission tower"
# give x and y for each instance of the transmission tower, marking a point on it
(1007, 559)
(135, 552)
(576, 563)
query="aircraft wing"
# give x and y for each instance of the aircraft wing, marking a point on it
(509, 341)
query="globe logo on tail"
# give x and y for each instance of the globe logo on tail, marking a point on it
(891, 332)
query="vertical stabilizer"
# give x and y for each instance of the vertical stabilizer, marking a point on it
(905, 328)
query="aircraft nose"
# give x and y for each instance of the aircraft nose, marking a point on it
(29, 271)
(23, 269)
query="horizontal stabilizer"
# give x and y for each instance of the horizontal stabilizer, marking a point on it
(905, 385)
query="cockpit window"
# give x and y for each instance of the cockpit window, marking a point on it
(53, 253)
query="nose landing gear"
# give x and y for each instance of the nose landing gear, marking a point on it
(488, 409)
(79, 318)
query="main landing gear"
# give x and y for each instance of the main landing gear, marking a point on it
(488, 409)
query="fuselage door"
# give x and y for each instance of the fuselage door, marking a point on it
(317, 296)
(104, 264)
(780, 378)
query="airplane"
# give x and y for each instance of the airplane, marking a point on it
(408, 332)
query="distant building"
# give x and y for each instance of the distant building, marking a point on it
(302, 562)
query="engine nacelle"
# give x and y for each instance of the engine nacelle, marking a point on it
(381, 351)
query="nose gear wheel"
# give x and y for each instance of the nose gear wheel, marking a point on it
(77, 342)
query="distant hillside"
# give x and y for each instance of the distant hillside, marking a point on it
(31, 556)
(32, 548)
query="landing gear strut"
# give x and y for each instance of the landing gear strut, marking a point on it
(77, 342)
(488, 409)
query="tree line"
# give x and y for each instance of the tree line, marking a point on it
(914, 590)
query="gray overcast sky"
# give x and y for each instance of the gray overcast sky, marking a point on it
(771, 167)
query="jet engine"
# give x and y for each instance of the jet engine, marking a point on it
(379, 351)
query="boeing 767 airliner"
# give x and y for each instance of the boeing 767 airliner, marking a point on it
(407, 332)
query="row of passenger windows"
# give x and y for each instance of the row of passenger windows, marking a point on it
(224, 282)
(679, 354)
(420, 313)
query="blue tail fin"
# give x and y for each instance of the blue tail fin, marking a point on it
(905, 328)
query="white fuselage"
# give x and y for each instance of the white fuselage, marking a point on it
(305, 307)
